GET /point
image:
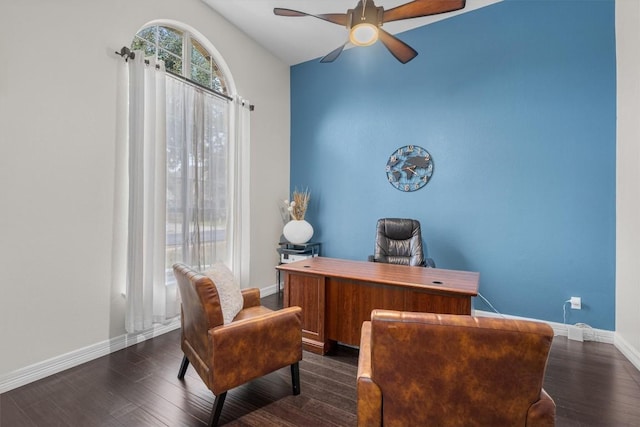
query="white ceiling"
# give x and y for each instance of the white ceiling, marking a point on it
(299, 39)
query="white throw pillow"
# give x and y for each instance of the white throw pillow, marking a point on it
(231, 300)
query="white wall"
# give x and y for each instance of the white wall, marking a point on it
(57, 146)
(628, 180)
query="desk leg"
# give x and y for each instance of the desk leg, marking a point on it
(279, 289)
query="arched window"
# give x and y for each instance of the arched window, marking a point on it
(182, 54)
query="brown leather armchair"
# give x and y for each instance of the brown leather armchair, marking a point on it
(258, 340)
(425, 369)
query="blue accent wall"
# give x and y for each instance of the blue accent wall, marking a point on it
(516, 102)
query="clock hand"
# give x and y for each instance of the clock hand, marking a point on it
(410, 169)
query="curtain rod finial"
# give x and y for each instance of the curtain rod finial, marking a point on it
(126, 53)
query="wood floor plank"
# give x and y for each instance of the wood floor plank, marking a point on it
(11, 414)
(140, 418)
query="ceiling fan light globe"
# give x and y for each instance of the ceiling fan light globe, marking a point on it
(363, 34)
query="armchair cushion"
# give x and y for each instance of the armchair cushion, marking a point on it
(231, 300)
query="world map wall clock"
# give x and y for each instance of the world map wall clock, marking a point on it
(409, 168)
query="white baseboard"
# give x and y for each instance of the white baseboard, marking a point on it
(268, 290)
(60, 363)
(559, 329)
(631, 353)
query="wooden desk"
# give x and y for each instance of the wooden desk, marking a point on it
(337, 295)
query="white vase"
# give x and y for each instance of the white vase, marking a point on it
(298, 231)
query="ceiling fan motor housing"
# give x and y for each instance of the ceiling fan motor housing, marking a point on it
(371, 14)
(363, 23)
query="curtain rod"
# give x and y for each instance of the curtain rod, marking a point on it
(127, 54)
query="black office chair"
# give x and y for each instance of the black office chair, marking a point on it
(399, 241)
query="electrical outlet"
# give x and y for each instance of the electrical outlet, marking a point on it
(576, 303)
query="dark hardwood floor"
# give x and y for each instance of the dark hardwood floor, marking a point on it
(591, 383)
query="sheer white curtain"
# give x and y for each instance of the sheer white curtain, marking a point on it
(241, 228)
(140, 240)
(198, 184)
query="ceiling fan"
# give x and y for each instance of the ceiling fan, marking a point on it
(365, 21)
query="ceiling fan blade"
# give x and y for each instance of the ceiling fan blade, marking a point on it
(333, 55)
(419, 8)
(335, 18)
(402, 51)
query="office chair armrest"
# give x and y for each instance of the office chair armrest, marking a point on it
(273, 339)
(371, 258)
(369, 394)
(429, 262)
(251, 297)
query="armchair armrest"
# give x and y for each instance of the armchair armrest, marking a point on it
(369, 394)
(274, 339)
(542, 412)
(251, 297)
